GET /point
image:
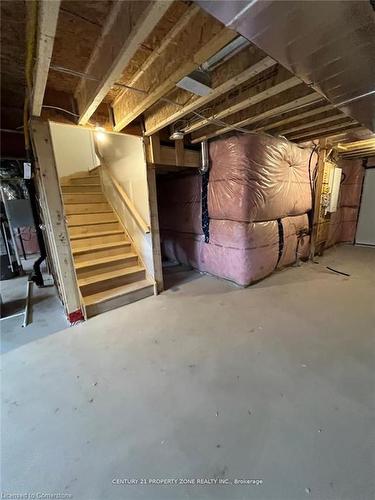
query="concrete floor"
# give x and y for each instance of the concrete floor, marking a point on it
(209, 381)
(46, 312)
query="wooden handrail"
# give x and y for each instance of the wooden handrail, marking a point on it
(134, 212)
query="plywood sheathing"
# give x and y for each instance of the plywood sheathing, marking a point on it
(78, 29)
(257, 113)
(244, 65)
(13, 23)
(201, 36)
(151, 44)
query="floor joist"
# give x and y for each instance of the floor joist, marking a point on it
(246, 64)
(127, 26)
(330, 132)
(247, 95)
(333, 117)
(47, 23)
(201, 38)
(290, 99)
(296, 116)
(309, 132)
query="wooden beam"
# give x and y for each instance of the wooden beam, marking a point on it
(304, 123)
(330, 134)
(127, 26)
(351, 146)
(53, 216)
(168, 157)
(244, 65)
(178, 26)
(155, 234)
(200, 38)
(180, 152)
(297, 115)
(247, 95)
(333, 137)
(243, 119)
(318, 213)
(360, 153)
(155, 148)
(315, 133)
(47, 22)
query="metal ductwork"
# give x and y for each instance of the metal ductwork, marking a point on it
(329, 45)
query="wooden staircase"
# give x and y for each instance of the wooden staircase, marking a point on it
(109, 271)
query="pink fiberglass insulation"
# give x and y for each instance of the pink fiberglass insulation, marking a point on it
(179, 203)
(258, 195)
(296, 239)
(258, 178)
(343, 222)
(242, 252)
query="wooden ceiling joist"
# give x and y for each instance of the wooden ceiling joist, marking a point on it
(359, 154)
(294, 98)
(357, 149)
(326, 132)
(307, 123)
(48, 14)
(244, 65)
(309, 131)
(353, 146)
(247, 95)
(200, 38)
(127, 26)
(294, 116)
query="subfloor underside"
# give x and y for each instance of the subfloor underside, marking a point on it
(205, 381)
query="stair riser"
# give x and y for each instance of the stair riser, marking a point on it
(84, 219)
(82, 230)
(108, 266)
(128, 298)
(111, 283)
(92, 179)
(99, 254)
(87, 208)
(84, 242)
(84, 198)
(78, 189)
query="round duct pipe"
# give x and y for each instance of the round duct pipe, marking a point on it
(204, 158)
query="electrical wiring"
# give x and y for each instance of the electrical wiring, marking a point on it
(60, 109)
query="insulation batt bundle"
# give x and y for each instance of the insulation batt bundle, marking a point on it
(259, 194)
(343, 222)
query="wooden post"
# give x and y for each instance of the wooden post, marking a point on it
(317, 202)
(53, 214)
(155, 148)
(180, 152)
(154, 222)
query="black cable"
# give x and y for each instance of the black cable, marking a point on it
(336, 271)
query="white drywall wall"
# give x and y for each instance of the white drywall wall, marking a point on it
(366, 222)
(73, 148)
(124, 156)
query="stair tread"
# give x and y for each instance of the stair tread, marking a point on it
(80, 202)
(101, 246)
(116, 292)
(95, 234)
(88, 223)
(85, 176)
(81, 192)
(107, 211)
(109, 275)
(104, 260)
(81, 185)
(86, 202)
(99, 191)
